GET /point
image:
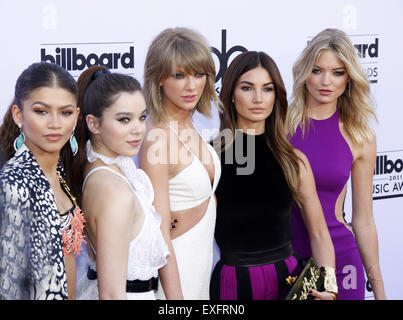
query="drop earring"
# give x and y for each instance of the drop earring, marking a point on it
(234, 112)
(73, 144)
(159, 95)
(19, 141)
(349, 89)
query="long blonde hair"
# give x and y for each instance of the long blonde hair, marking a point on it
(355, 105)
(184, 48)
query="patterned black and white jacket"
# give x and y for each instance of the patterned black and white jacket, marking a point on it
(31, 246)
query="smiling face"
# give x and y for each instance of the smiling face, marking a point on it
(182, 90)
(254, 96)
(122, 127)
(328, 80)
(48, 117)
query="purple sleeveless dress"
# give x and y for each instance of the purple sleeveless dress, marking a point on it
(331, 159)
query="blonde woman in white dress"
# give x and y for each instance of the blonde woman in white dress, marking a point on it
(184, 170)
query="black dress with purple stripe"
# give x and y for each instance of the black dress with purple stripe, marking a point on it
(253, 227)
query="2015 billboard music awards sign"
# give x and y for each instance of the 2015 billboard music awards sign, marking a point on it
(78, 34)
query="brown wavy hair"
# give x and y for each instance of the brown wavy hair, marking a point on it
(274, 124)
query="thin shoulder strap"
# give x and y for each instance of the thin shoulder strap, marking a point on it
(108, 169)
(103, 168)
(176, 133)
(212, 152)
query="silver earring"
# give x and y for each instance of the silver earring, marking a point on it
(19, 141)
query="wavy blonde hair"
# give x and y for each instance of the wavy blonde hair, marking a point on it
(355, 104)
(172, 48)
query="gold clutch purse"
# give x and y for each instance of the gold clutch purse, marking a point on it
(309, 278)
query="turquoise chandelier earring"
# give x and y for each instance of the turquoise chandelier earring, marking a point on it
(73, 144)
(19, 141)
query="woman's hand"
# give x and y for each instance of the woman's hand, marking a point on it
(324, 295)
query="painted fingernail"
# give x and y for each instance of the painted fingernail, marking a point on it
(173, 227)
(175, 220)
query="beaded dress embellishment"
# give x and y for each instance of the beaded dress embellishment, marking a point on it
(72, 223)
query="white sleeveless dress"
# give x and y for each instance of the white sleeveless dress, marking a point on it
(148, 250)
(194, 249)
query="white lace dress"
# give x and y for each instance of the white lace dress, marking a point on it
(148, 250)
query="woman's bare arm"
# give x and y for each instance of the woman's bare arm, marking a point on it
(153, 159)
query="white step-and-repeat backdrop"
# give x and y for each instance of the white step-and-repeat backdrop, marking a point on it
(81, 33)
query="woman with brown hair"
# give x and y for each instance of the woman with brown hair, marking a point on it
(125, 244)
(262, 175)
(41, 225)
